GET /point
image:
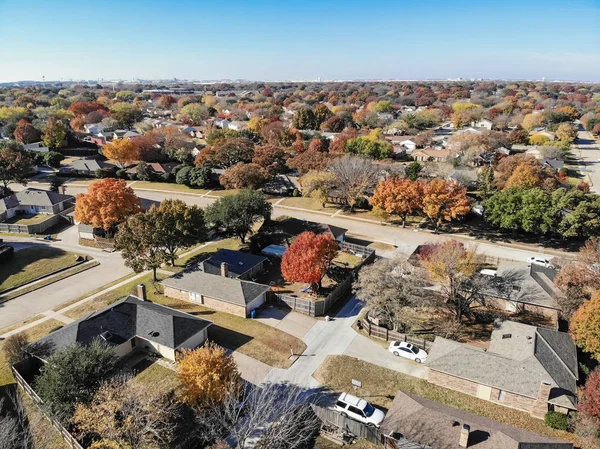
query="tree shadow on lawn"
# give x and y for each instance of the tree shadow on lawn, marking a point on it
(227, 338)
(25, 257)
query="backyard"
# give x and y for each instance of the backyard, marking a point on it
(379, 386)
(27, 219)
(33, 262)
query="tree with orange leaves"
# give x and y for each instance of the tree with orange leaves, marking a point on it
(445, 201)
(525, 175)
(124, 151)
(398, 196)
(307, 259)
(585, 326)
(107, 203)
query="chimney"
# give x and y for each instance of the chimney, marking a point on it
(141, 292)
(540, 406)
(224, 269)
(464, 436)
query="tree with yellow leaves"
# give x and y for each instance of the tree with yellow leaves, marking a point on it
(532, 120)
(207, 375)
(450, 264)
(124, 151)
(445, 201)
(585, 326)
(526, 175)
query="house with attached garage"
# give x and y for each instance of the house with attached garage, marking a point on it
(218, 292)
(129, 324)
(34, 201)
(527, 368)
(414, 422)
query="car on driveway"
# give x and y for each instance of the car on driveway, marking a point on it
(537, 260)
(359, 410)
(407, 350)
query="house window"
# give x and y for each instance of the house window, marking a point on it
(133, 342)
(501, 396)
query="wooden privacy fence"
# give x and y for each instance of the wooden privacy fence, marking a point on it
(388, 335)
(330, 417)
(64, 433)
(319, 308)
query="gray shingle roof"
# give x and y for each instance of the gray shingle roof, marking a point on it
(436, 425)
(226, 289)
(238, 262)
(33, 197)
(519, 363)
(121, 321)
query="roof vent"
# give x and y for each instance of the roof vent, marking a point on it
(240, 263)
(529, 337)
(504, 336)
(106, 335)
(154, 334)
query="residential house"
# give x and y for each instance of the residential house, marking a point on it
(86, 167)
(550, 135)
(129, 324)
(465, 177)
(122, 133)
(222, 123)
(469, 130)
(157, 167)
(554, 164)
(523, 288)
(237, 125)
(38, 147)
(239, 265)
(430, 155)
(284, 230)
(483, 123)
(193, 131)
(34, 201)
(402, 143)
(414, 422)
(525, 367)
(218, 292)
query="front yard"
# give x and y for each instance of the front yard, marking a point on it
(32, 263)
(379, 385)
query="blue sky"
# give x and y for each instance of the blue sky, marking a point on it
(291, 40)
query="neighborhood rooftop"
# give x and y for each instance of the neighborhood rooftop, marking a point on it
(33, 197)
(120, 322)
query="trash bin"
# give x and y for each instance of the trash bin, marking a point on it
(253, 314)
(358, 324)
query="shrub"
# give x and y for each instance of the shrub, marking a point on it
(295, 193)
(121, 173)
(14, 348)
(557, 420)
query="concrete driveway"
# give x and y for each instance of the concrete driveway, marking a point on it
(250, 369)
(365, 349)
(293, 323)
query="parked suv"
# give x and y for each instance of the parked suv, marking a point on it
(359, 410)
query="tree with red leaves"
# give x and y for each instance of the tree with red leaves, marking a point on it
(26, 133)
(85, 107)
(307, 259)
(590, 402)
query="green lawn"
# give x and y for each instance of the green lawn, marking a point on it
(379, 386)
(220, 193)
(167, 186)
(31, 263)
(23, 219)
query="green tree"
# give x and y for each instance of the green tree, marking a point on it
(529, 210)
(383, 106)
(305, 119)
(365, 146)
(413, 170)
(194, 113)
(583, 220)
(234, 215)
(15, 166)
(55, 134)
(485, 182)
(73, 375)
(180, 226)
(141, 242)
(126, 114)
(144, 172)
(53, 159)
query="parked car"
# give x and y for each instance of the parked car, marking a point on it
(537, 260)
(359, 410)
(407, 350)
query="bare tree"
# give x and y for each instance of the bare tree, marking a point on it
(270, 416)
(355, 177)
(389, 286)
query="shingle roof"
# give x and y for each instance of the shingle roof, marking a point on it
(226, 289)
(438, 426)
(518, 360)
(121, 321)
(292, 227)
(33, 197)
(238, 262)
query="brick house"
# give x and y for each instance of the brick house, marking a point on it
(532, 290)
(414, 422)
(129, 324)
(527, 368)
(240, 265)
(218, 292)
(430, 155)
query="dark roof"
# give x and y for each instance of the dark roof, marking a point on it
(86, 165)
(430, 423)
(556, 164)
(518, 364)
(238, 262)
(120, 322)
(289, 227)
(33, 197)
(226, 289)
